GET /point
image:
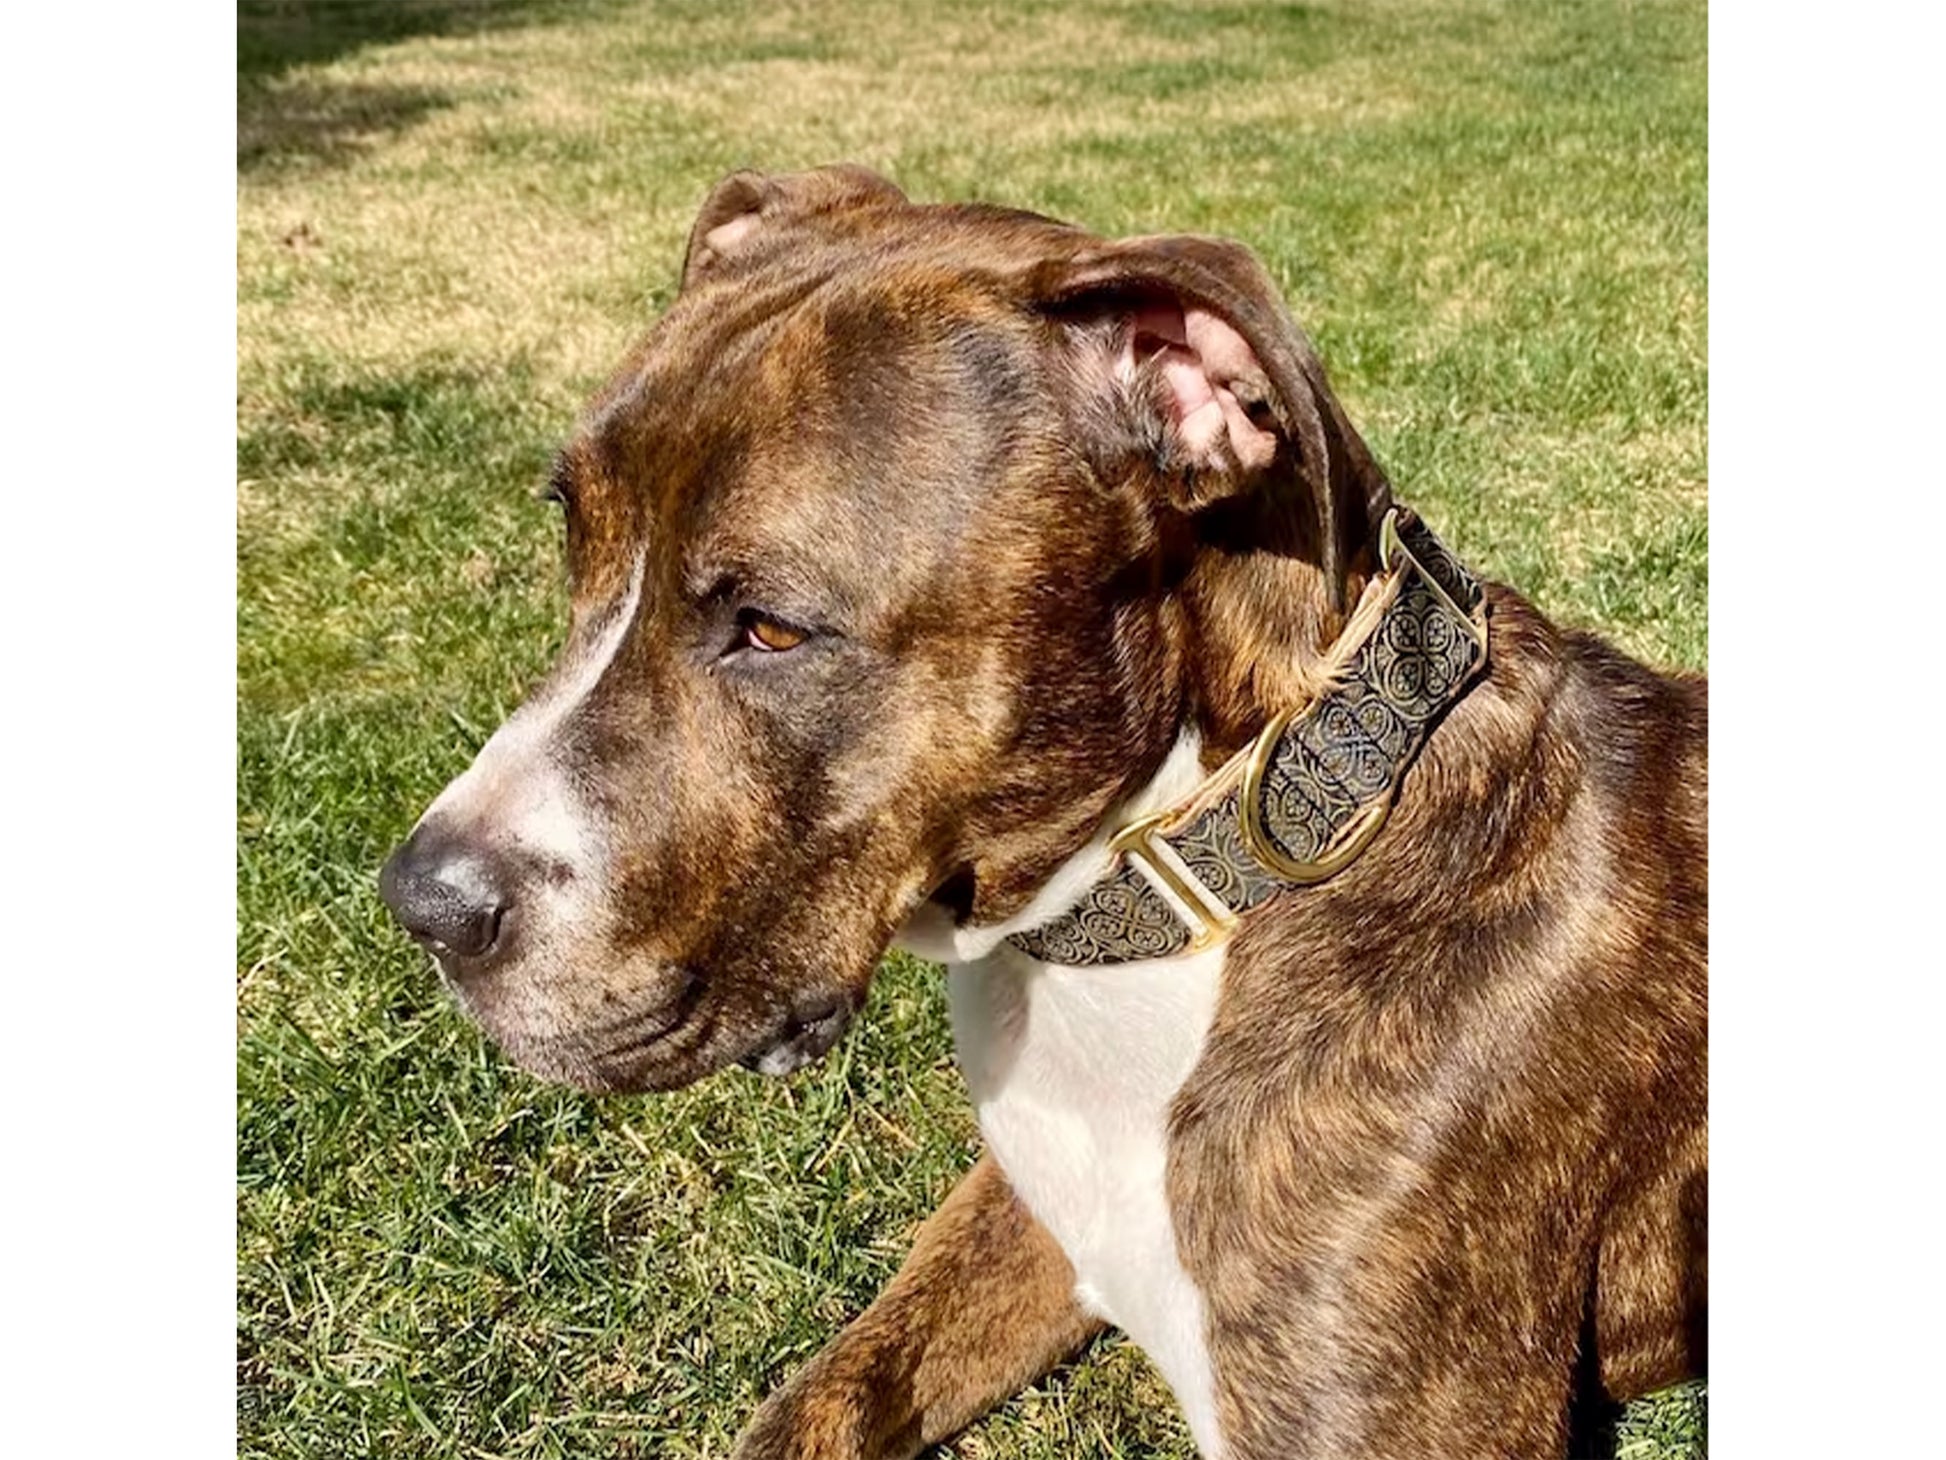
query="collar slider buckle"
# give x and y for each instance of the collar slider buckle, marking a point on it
(1208, 919)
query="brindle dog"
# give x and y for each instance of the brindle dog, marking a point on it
(915, 548)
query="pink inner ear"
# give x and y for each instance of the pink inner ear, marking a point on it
(1200, 357)
(726, 236)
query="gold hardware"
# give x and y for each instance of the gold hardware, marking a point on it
(1158, 862)
(1352, 839)
(1391, 546)
(1211, 921)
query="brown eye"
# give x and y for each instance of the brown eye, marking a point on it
(560, 483)
(769, 636)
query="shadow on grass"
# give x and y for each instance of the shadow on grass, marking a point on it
(288, 120)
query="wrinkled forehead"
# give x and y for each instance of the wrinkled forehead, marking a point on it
(835, 435)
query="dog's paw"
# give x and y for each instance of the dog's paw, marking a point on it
(813, 1421)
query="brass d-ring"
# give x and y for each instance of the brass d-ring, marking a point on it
(1352, 839)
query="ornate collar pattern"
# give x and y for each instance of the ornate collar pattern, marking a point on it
(1309, 794)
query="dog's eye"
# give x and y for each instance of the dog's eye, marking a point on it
(560, 484)
(768, 635)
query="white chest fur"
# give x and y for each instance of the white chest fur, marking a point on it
(1072, 1072)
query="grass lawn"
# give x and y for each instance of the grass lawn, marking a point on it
(452, 220)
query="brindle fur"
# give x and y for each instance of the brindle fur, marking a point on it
(1446, 1141)
(1456, 1096)
(982, 1307)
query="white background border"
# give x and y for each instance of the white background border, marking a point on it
(119, 727)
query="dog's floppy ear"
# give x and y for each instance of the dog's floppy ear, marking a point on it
(738, 207)
(1184, 354)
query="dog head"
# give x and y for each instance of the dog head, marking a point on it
(902, 549)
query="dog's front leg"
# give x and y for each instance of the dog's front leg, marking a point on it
(983, 1306)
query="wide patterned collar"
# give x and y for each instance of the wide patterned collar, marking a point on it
(1299, 804)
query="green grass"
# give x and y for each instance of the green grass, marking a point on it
(452, 219)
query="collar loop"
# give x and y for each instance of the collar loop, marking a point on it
(1309, 795)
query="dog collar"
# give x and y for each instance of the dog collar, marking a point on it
(1298, 805)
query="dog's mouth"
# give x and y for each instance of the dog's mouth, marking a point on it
(684, 1040)
(804, 1039)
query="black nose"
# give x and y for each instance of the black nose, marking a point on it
(451, 897)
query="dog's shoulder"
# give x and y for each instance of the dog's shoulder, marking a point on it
(1567, 702)
(1548, 846)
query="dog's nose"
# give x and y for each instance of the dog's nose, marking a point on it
(451, 897)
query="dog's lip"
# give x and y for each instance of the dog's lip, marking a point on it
(805, 1038)
(640, 1036)
(645, 1042)
(633, 1050)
